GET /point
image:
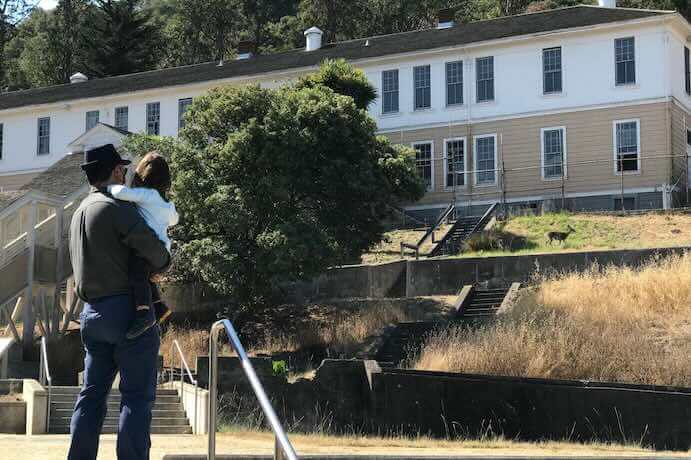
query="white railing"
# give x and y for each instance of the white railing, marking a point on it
(13, 249)
(186, 368)
(44, 377)
(282, 447)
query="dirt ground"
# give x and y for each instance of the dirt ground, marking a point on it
(54, 447)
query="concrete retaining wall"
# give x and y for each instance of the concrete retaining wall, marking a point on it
(353, 395)
(413, 278)
(12, 413)
(532, 409)
(449, 275)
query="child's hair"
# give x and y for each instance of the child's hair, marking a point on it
(153, 172)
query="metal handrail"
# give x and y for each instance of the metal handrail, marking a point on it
(44, 376)
(176, 345)
(282, 445)
(430, 232)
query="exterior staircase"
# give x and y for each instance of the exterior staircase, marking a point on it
(168, 415)
(462, 229)
(405, 339)
(483, 304)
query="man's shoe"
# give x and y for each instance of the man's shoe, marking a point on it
(140, 325)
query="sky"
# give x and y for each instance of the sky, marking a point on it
(48, 4)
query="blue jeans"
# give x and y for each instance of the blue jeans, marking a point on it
(103, 327)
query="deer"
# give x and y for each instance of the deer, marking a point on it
(560, 236)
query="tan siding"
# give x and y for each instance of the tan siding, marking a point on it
(590, 153)
(678, 142)
(16, 181)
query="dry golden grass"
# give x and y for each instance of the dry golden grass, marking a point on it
(340, 326)
(616, 324)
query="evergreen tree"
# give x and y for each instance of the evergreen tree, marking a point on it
(120, 39)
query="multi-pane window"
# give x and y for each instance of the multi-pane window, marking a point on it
(122, 118)
(454, 83)
(183, 105)
(423, 161)
(485, 78)
(389, 91)
(423, 87)
(625, 60)
(551, 70)
(91, 119)
(485, 160)
(687, 71)
(553, 153)
(43, 136)
(153, 118)
(454, 152)
(626, 146)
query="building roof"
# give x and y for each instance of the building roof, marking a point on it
(62, 179)
(7, 198)
(462, 34)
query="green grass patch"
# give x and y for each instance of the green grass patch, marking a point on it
(528, 234)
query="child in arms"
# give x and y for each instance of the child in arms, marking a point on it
(149, 191)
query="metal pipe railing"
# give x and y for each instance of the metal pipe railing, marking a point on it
(186, 368)
(282, 448)
(44, 377)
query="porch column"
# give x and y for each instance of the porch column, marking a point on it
(28, 314)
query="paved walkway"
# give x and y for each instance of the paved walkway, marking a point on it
(54, 447)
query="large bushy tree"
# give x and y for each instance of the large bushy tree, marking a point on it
(120, 39)
(276, 185)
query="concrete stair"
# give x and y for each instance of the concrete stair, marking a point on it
(168, 414)
(484, 303)
(459, 232)
(405, 339)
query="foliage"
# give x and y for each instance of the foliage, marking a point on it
(137, 145)
(119, 39)
(277, 185)
(343, 79)
(279, 368)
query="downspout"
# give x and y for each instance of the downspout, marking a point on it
(470, 149)
(668, 124)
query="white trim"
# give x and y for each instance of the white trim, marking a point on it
(430, 142)
(465, 163)
(542, 71)
(638, 146)
(475, 158)
(636, 69)
(398, 91)
(530, 115)
(446, 84)
(430, 107)
(614, 193)
(477, 80)
(564, 160)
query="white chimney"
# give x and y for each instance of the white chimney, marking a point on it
(314, 38)
(607, 3)
(78, 78)
(445, 18)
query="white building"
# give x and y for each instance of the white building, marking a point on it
(583, 106)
